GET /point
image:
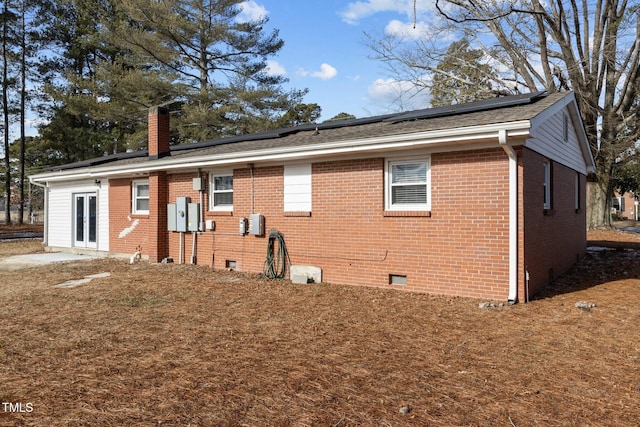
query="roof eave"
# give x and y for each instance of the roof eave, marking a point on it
(428, 139)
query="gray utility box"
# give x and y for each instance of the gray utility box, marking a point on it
(171, 217)
(182, 211)
(183, 216)
(193, 217)
(199, 184)
(256, 224)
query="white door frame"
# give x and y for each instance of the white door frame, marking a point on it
(85, 220)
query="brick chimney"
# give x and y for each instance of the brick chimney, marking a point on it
(159, 133)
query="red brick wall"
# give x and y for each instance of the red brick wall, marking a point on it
(159, 132)
(629, 211)
(126, 231)
(462, 248)
(556, 238)
(157, 221)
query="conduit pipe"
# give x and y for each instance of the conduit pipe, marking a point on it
(200, 227)
(251, 166)
(193, 248)
(513, 215)
(201, 224)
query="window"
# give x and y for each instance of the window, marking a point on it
(140, 197)
(297, 188)
(221, 197)
(547, 184)
(577, 190)
(617, 203)
(408, 185)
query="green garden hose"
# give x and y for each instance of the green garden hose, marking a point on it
(275, 264)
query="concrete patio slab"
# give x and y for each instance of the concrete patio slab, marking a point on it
(18, 262)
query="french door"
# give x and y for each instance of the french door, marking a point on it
(85, 225)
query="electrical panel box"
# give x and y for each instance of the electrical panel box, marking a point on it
(256, 224)
(182, 211)
(171, 217)
(199, 184)
(193, 217)
(242, 229)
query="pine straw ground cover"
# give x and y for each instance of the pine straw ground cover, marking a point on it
(179, 345)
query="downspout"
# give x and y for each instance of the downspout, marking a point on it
(513, 216)
(250, 166)
(45, 235)
(201, 194)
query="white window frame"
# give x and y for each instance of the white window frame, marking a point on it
(577, 192)
(547, 184)
(388, 167)
(213, 191)
(135, 196)
(297, 188)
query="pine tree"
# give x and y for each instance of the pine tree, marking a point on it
(219, 59)
(106, 89)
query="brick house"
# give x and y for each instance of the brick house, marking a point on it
(485, 199)
(624, 206)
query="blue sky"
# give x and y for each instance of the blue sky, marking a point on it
(324, 51)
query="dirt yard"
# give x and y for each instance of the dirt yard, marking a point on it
(177, 345)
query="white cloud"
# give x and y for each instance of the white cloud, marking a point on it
(275, 69)
(356, 11)
(251, 11)
(393, 95)
(406, 30)
(326, 72)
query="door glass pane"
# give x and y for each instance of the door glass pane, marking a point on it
(79, 218)
(92, 219)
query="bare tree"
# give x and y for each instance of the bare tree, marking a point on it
(590, 47)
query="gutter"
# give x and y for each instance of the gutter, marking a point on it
(513, 215)
(426, 139)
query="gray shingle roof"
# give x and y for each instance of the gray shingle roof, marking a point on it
(487, 112)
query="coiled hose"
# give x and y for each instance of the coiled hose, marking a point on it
(275, 264)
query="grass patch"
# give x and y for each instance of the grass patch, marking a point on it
(185, 345)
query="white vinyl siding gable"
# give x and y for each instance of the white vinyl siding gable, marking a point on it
(297, 188)
(548, 139)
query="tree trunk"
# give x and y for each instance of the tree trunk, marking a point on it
(5, 113)
(598, 205)
(23, 101)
